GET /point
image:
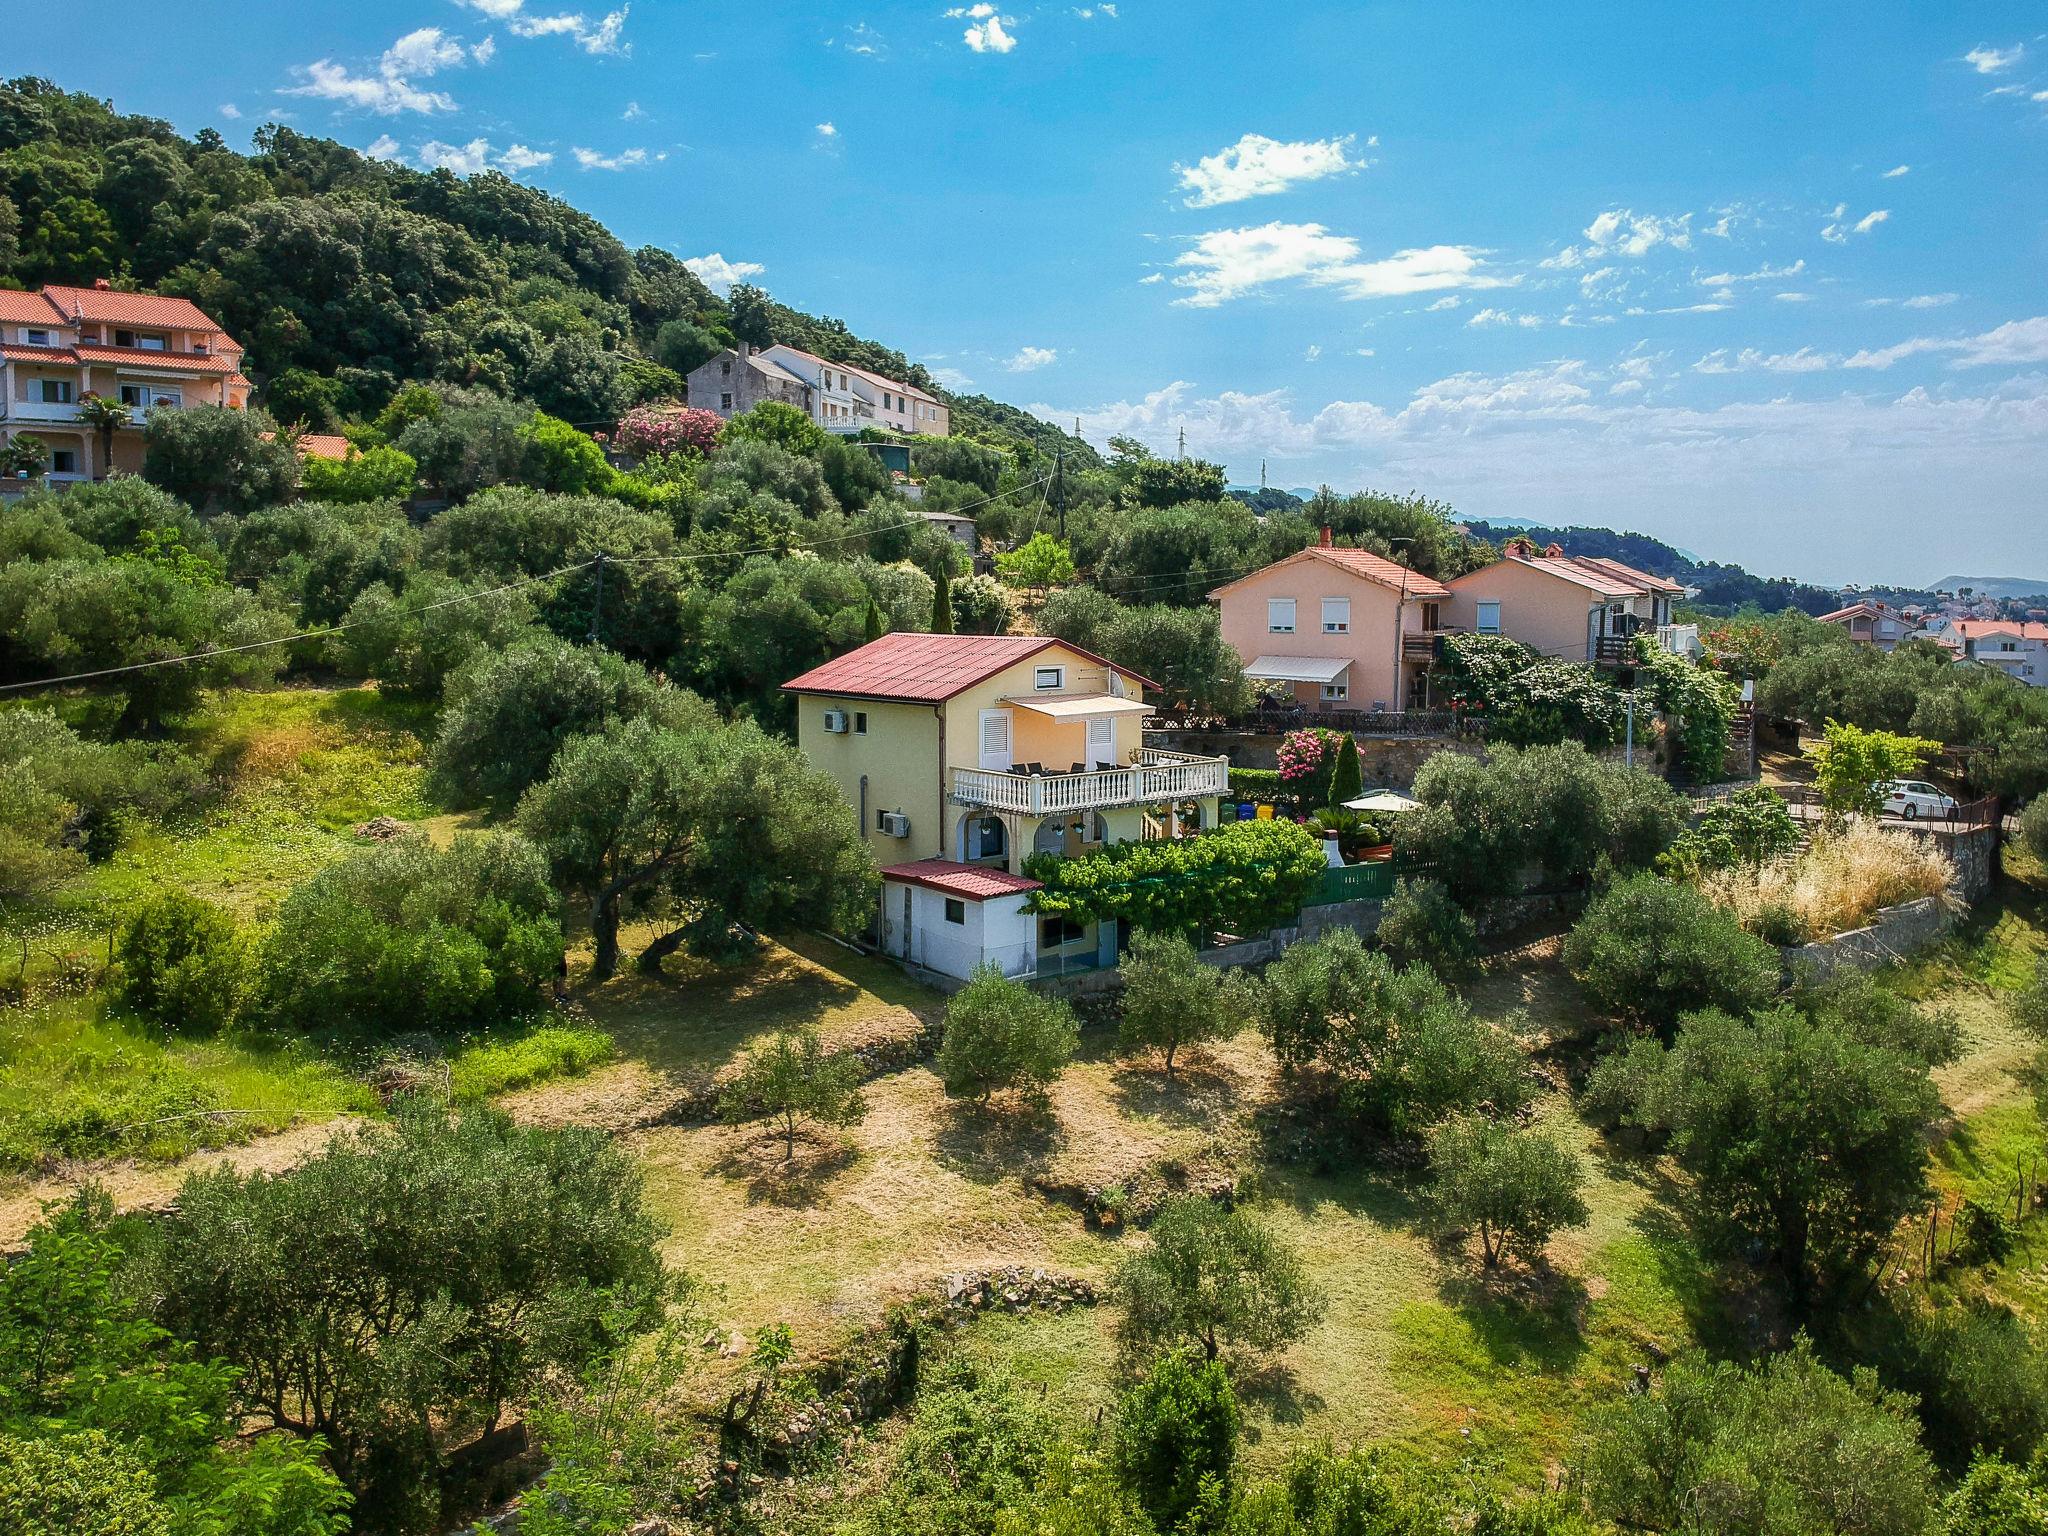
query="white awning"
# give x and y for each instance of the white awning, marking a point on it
(1297, 669)
(1091, 706)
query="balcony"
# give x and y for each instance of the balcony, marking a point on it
(1421, 645)
(1679, 639)
(37, 411)
(1156, 777)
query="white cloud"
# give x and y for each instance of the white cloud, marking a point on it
(633, 113)
(2016, 341)
(1364, 352)
(987, 30)
(951, 378)
(602, 36)
(1629, 233)
(1226, 264)
(1312, 353)
(1840, 229)
(1991, 61)
(382, 94)
(475, 156)
(1929, 300)
(1448, 301)
(485, 51)
(1897, 170)
(384, 147)
(1025, 359)
(827, 131)
(860, 40)
(425, 52)
(1792, 298)
(229, 110)
(1762, 274)
(718, 274)
(1153, 277)
(625, 159)
(1750, 360)
(1871, 220)
(1256, 165)
(1505, 317)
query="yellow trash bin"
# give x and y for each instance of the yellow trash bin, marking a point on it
(1265, 813)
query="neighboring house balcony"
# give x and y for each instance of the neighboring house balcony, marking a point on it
(1157, 777)
(1425, 644)
(1679, 639)
(49, 411)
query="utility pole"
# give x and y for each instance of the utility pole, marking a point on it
(597, 604)
(1183, 442)
(1262, 474)
(1059, 492)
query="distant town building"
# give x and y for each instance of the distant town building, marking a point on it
(1870, 622)
(60, 344)
(2018, 648)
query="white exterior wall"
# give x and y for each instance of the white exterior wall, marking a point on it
(997, 930)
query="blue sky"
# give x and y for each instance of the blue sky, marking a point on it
(1763, 280)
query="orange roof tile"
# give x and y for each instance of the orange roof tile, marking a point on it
(108, 307)
(173, 362)
(971, 882)
(1360, 562)
(19, 308)
(324, 445)
(2019, 629)
(18, 354)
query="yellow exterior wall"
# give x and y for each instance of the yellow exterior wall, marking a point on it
(899, 756)
(1543, 611)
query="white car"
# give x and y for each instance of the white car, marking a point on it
(1914, 798)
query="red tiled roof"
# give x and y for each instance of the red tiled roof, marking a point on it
(1362, 562)
(323, 445)
(971, 882)
(20, 354)
(1875, 610)
(107, 307)
(1628, 573)
(19, 308)
(925, 669)
(175, 362)
(1609, 578)
(2019, 629)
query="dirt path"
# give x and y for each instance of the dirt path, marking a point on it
(152, 1186)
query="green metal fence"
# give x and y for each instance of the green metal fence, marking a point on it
(1354, 882)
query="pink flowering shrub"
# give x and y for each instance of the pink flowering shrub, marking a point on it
(668, 426)
(1302, 754)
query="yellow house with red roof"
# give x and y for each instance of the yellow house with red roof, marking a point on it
(961, 755)
(142, 351)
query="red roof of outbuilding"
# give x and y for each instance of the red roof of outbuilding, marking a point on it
(926, 669)
(971, 882)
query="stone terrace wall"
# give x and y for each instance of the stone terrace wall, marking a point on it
(1898, 932)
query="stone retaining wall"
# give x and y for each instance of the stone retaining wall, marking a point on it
(1898, 932)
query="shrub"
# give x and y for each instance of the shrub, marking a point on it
(405, 936)
(1981, 1377)
(667, 426)
(183, 964)
(1509, 1184)
(1850, 763)
(1000, 1034)
(412, 641)
(1750, 827)
(1174, 1440)
(1997, 1499)
(2034, 828)
(975, 1446)
(399, 1293)
(1040, 561)
(219, 460)
(1346, 781)
(1213, 1278)
(782, 426)
(1242, 878)
(1786, 1446)
(1844, 880)
(1171, 999)
(981, 606)
(1698, 705)
(1625, 1086)
(1647, 950)
(1422, 925)
(790, 1079)
(1400, 1049)
(1529, 699)
(380, 474)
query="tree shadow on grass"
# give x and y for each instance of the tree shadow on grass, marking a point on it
(1275, 1389)
(1010, 1136)
(1730, 1310)
(756, 1157)
(1522, 1314)
(1202, 1092)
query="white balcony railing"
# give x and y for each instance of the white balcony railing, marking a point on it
(1679, 639)
(1157, 776)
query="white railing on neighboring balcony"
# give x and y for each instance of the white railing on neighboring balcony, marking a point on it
(1157, 776)
(1679, 639)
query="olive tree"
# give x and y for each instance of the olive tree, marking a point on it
(791, 1079)
(1171, 999)
(1213, 1278)
(1508, 1183)
(1000, 1034)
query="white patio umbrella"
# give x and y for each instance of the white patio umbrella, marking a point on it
(1388, 801)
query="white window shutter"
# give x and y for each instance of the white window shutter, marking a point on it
(995, 739)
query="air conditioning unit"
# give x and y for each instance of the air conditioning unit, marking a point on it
(836, 721)
(895, 824)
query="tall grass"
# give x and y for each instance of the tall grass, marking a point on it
(1838, 884)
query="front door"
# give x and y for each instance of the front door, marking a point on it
(1102, 743)
(995, 740)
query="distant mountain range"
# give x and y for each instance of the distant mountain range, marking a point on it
(2010, 588)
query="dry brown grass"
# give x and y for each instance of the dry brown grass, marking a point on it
(1838, 884)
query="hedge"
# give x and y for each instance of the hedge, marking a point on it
(1244, 877)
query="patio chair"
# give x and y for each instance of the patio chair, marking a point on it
(1035, 768)
(1078, 768)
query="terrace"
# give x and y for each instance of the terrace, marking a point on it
(1032, 789)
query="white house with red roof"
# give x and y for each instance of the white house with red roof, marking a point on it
(968, 753)
(146, 352)
(2018, 648)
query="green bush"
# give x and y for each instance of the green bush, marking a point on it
(1981, 1377)
(790, 1079)
(183, 965)
(1171, 999)
(1647, 950)
(404, 936)
(490, 1067)
(1422, 925)
(1510, 1184)
(2034, 828)
(1997, 1499)
(1213, 1278)
(1624, 1086)
(1174, 1441)
(1000, 1034)
(1242, 878)
(377, 474)
(975, 1446)
(1750, 827)
(1255, 783)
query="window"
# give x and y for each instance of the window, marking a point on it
(1431, 616)
(860, 722)
(725, 368)
(1049, 677)
(36, 338)
(956, 911)
(1055, 931)
(1336, 690)
(134, 394)
(63, 461)
(54, 391)
(725, 402)
(1487, 621)
(1279, 615)
(1336, 615)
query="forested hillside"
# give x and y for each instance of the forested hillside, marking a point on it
(347, 276)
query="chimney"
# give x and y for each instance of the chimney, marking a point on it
(1553, 551)
(1323, 542)
(744, 350)
(102, 285)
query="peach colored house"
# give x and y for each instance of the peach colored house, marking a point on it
(1579, 609)
(146, 352)
(1342, 628)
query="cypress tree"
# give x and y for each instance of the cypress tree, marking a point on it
(1347, 783)
(875, 625)
(942, 605)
